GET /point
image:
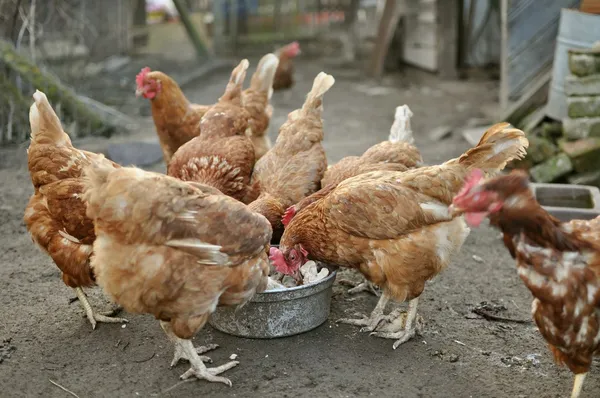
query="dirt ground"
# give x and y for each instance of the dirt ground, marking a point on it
(43, 338)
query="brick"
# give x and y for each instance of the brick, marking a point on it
(552, 169)
(583, 127)
(587, 85)
(589, 178)
(588, 106)
(584, 153)
(540, 149)
(584, 64)
(551, 130)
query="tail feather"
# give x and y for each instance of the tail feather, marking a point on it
(401, 130)
(499, 145)
(262, 79)
(236, 81)
(44, 122)
(323, 82)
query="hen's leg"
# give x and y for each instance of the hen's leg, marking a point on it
(180, 353)
(370, 323)
(578, 385)
(364, 286)
(184, 349)
(92, 316)
(403, 333)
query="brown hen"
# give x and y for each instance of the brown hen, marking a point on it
(175, 250)
(55, 215)
(558, 262)
(394, 227)
(176, 119)
(294, 167)
(222, 156)
(256, 101)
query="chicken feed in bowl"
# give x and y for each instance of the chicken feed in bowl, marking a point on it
(284, 309)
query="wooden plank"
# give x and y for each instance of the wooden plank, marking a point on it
(448, 36)
(387, 26)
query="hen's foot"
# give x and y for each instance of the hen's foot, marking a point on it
(180, 353)
(209, 374)
(403, 327)
(95, 317)
(403, 336)
(369, 323)
(364, 286)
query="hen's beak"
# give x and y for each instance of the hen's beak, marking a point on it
(455, 210)
(139, 92)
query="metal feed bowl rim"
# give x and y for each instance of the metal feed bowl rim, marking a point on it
(295, 292)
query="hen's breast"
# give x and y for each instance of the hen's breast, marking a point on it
(565, 307)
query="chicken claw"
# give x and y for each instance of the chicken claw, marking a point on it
(403, 327)
(94, 317)
(209, 374)
(371, 322)
(180, 353)
(365, 286)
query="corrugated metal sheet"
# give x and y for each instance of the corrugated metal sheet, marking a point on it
(529, 28)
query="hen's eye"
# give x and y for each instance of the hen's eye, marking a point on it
(292, 257)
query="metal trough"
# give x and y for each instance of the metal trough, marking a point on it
(568, 202)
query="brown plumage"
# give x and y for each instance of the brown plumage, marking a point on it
(222, 156)
(294, 167)
(256, 101)
(558, 262)
(396, 154)
(55, 215)
(175, 250)
(394, 227)
(284, 76)
(176, 119)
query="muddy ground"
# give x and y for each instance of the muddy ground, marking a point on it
(43, 338)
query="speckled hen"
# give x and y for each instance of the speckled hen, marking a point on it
(558, 262)
(222, 156)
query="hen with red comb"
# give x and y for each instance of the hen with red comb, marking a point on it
(176, 119)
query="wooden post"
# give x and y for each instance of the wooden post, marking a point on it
(184, 14)
(387, 25)
(233, 24)
(448, 37)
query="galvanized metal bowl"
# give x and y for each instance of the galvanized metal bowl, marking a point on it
(279, 312)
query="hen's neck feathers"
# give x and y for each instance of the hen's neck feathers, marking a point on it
(538, 226)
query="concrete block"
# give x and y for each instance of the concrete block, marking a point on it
(584, 153)
(588, 106)
(587, 85)
(552, 169)
(583, 127)
(540, 149)
(590, 178)
(584, 64)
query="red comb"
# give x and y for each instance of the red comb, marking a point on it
(289, 214)
(139, 79)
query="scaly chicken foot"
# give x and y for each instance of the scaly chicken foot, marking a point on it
(404, 327)
(180, 353)
(186, 350)
(364, 286)
(92, 316)
(371, 322)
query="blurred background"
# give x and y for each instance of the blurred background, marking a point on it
(85, 54)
